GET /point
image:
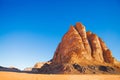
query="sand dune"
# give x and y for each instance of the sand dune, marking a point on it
(26, 76)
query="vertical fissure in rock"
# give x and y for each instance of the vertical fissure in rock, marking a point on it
(82, 32)
(88, 33)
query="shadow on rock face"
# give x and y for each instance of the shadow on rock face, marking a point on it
(106, 69)
(79, 68)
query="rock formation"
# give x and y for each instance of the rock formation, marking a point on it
(39, 64)
(81, 52)
(78, 45)
(28, 69)
(11, 69)
(36, 67)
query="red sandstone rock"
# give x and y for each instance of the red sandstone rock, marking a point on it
(71, 49)
(97, 52)
(82, 32)
(77, 46)
(107, 54)
(81, 52)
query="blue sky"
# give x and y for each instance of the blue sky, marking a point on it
(30, 30)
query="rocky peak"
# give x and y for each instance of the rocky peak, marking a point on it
(77, 46)
(82, 32)
(81, 52)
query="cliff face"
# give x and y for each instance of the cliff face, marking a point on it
(77, 45)
(81, 52)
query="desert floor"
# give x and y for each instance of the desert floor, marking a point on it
(26, 76)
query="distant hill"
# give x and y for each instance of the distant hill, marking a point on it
(11, 69)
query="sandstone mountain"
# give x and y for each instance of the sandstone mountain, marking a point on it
(77, 46)
(81, 52)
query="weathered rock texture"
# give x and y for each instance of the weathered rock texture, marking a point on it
(78, 45)
(81, 52)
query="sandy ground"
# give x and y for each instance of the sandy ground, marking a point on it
(25, 76)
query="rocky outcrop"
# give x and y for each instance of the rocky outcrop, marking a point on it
(81, 52)
(71, 48)
(107, 54)
(39, 64)
(28, 69)
(97, 53)
(68, 68)
(11, 69)
(82, 32)
(78, 45)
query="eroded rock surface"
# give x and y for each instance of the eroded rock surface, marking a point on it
(78, 45)
(81, 52)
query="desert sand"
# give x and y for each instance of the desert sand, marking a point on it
(26, 76)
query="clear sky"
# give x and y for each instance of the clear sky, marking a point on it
(30, 30)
